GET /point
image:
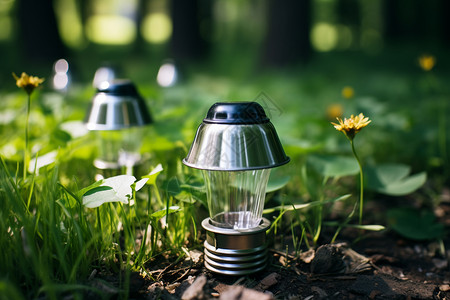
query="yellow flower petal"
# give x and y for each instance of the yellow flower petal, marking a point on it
(351, 126)
(28, 83)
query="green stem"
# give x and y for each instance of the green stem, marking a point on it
(361, 183)
(25, 155)
(157, 195)
(349, 217)
(319, 216)
(99, 221)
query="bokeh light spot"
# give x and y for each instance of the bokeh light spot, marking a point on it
(111, 29)
(324, 37)
(61, 66)
(5, 28)
(156, 28)
(167, 75)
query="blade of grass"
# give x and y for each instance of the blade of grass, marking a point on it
(304, 205)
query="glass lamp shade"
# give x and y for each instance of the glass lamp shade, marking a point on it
(118, 148)
(236, 199)
(118, 115)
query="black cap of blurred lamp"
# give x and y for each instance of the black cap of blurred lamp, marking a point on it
(236, 113)
(117, 105)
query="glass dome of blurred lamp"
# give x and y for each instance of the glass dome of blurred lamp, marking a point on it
(61, 75)
(167, 74)
(105, 73)
(119, 117)
(235, 147)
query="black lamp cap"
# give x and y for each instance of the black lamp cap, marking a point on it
(124, 88)
(118, 87)
(236, 113)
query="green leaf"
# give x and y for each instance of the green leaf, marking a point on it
(296, 146)
(196, 192)
(185, 192)
(333, 166)
(60, 136)
(393, 179)
(99, 195)
(42, 161)
(153, 174)
(112, 189)
(415, 224)
(173, 187)
(69, 201)
(405, 186)
(121, 184)
(97, 189)
(90, 187)
(157, 215)
(384, 174)
(276, 183)
(140, 184)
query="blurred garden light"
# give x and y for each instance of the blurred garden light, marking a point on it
(167, 74)
(104, 74)
(61, 76)
(118, 115)
(235, 147)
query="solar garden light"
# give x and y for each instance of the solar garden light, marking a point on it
(235, 147)
(118, 115)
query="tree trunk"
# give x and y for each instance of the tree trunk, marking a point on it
(287, 39)
(38, 33)
(187, 42)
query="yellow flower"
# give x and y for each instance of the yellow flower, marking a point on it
(350, 127)
(348, 92)
(427, 62)
(27, 83)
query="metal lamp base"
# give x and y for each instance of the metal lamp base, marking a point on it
(235, 251)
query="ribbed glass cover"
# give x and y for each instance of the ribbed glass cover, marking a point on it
(236, 199)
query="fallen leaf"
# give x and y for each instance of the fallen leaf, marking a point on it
(307, 256)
